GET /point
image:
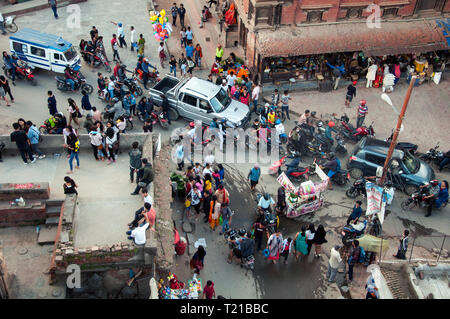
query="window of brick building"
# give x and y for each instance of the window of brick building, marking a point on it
(264, 15)
(277, 14)
(314, 16)
(354, 13)
(390, 12)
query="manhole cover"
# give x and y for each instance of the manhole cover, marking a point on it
(56, 292)
(22, 250)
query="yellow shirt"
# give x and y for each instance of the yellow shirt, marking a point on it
(271, 117)
(219, 53)
(207, 185)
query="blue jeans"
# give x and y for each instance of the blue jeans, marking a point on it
(72, 155)
(2, 28)
(35, 149)
(350, 272)
(199, 62)
(444, 162)
(225, 225)
(285, 108)
(54, 11)
(331, 274)
(111, 93)
(255, 105)
(174, 70)
(72, 83)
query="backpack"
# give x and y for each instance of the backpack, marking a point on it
(362, 255)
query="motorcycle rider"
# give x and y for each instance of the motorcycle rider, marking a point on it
(293, 166)
(165, 107)
(265, 203)
(101, 86)
(116, 109)
(328, 135)
(70, 77)
(129, 102)
(145, 107)
(438, 195)
(245, 249)
(333, 165)
(90, 51)
(445, 161)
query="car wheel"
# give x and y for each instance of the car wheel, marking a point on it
(411, 189)
(356, 173)
(173, 114)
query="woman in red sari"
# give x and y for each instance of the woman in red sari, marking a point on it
(230, 16)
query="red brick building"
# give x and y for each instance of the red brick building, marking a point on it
(287, 28)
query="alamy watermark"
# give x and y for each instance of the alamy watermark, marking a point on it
(73, 21)
(374, 19)
(231, 146)
(74, 279)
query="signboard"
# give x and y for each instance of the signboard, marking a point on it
(286, 183)
(376, 200)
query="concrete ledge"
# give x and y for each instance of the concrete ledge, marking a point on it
(35, 5)
(54, 142)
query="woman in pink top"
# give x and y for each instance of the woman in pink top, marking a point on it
(245, 97)
(199, 183)
(234, 89)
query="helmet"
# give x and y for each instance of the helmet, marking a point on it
(278, 121)
(363, 102)
(331, 124)
(119, 24)
(267, 105)
(434, 182)
(192, 124)
(123, 66)
(313, 113)
(242, 232)
(319, 124)
(266, 196)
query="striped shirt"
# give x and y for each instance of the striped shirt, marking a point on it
(362, 110)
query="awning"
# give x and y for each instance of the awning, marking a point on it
(399, 37)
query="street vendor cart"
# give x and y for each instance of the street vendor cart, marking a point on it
(307, 198)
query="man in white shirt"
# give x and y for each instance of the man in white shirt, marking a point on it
(138, 234)
(133, 38)
(147, 197)
(333, 263)
(231, 78)
(207, 170)
(255, 96)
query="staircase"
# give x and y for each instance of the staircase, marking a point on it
(47, 232)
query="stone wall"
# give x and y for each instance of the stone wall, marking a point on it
(5, 278)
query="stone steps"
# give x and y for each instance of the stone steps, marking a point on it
(47, 235)
(52, 221)
(53, 211)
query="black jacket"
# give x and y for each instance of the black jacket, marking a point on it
(147, 174)
(247, 247)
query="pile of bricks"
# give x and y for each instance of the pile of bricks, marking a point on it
(395, 283)
(67, 254)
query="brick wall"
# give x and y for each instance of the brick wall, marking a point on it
(22, 216)
(9, 191)
(447, 7)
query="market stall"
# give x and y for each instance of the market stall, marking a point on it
(176, 289)
(307, 198)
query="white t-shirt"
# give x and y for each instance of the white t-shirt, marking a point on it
(121, 125)
(111, 85)
(120, 32)
(309, 235)
(139, 234)
(207, 171)
(148, 199)
(96, 138)
(231, 79)
(133, 36)
(255, 93)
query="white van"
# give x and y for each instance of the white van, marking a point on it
(43, 50)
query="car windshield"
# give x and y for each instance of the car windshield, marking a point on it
(411, 163)
(70, 54)
(220, 102)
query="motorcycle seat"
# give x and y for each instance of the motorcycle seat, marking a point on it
(358, 227)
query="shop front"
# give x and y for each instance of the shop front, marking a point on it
(311, 52)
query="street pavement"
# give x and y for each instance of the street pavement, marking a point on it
(425, 124)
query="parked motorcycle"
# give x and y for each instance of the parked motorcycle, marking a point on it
(434, 156)
(352, 232)
(10, 24)
(412, 148)
(80, 84)
(133, 86)
(358, 188)
(99, 59)
(159, 118)
(231, 234)
(354, 134)
(23, 71)
(269, 220)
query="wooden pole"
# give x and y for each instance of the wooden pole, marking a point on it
(397, 130)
